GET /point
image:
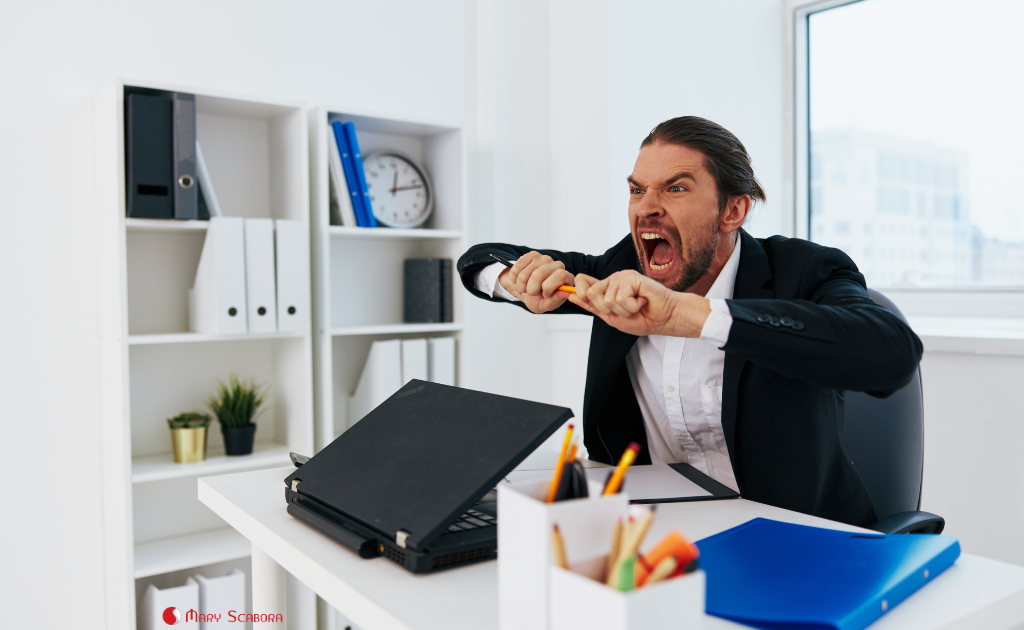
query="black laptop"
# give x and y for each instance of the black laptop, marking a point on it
(413, 480)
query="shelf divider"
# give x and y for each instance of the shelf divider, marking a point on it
(192, 550)
(161, 467)
(339, 231)
(395, 329)
(190, 337)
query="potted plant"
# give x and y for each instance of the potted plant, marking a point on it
(236, 406)
(188, 436)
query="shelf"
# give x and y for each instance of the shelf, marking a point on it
(994, 336)
(337, 231)
(193, 550)
(145, 340)
(165, 225)
(394, 329)
(160, 467)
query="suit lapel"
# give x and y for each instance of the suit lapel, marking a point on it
(752, 275)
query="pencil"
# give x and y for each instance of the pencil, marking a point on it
(643, 525)
(509, 263)
(572, 452)
(558, 545)
(613, 555)
(664, 569)
(628, 457)
(553, 490)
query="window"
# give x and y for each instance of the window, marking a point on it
(916, 139)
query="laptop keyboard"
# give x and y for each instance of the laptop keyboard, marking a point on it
(472, 519)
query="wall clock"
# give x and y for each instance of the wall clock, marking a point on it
(401, 193)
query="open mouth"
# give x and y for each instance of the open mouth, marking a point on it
(658, 250)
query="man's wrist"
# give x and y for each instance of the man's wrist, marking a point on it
(689, 315)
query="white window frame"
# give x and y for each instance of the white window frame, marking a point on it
(955, 302)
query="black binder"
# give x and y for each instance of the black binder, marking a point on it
(428, 290)
(185, 182)
(149, 153)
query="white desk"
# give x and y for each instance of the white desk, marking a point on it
(377, 594)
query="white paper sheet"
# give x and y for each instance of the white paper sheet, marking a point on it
(654, 483)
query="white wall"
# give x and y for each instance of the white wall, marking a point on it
(409, 58)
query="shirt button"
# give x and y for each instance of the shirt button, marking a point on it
(671, 389)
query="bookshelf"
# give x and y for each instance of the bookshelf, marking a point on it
(357, 272)
(152, 366)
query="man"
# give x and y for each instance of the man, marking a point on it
(710, 346)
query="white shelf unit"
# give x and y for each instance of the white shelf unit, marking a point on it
(358, 272)
(153, 367)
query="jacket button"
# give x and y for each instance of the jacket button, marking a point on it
(798, 325)
(763, 317)
(773, 321)
(786, 321)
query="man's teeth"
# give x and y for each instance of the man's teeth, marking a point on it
(647, 236)
(658, 267)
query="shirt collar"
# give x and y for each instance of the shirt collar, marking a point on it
(726, 281)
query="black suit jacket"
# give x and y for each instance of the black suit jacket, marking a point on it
(804, 332)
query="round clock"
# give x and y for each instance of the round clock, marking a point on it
(400, 192)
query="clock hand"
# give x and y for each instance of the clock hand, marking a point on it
(409, 187)
(394, 186)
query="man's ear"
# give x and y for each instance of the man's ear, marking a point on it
(735, 213)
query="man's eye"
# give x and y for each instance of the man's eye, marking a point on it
(676, 189)
(636, 191)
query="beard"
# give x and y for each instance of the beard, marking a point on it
(695, 258)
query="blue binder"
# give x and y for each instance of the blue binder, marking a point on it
(779, 576)
(357, 163)
(348, 166)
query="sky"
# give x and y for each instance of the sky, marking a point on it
(949, 72)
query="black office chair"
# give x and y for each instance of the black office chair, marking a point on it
(885, 439)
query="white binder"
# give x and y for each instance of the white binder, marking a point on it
(217, 297)
(441, 368)
(261, 293)
(221, 595)
(162, 608)
(381, 377)
(339, 185)
(414, 360)
(293, 310)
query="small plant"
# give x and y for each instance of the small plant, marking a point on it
(189, 420)
(236, 405)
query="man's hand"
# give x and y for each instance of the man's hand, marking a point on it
(535, 279)
(635, 304)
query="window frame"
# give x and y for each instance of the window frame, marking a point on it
(957, 302)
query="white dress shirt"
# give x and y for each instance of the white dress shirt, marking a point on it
(677, 381)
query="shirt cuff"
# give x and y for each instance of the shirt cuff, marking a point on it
(487, 283)
(718, 324)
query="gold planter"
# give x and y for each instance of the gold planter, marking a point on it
(189, 445)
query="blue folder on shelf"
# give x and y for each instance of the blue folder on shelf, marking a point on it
(357, 164)
(348, 166)
(779, 576)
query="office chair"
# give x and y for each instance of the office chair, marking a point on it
(885, 439)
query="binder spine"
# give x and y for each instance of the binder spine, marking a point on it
(186, 199)
(357, 164)
(148, 156)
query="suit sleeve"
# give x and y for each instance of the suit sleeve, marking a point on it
(838, 338)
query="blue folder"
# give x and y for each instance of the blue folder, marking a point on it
(778, 576)
(348, 166)
(357, 164)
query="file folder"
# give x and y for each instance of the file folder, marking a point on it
(148, 156)
(776, 576)
(414, 360)
(220, 595)
(360, 173)
(292, 249)
(206, 194)
(441, 360)
(260, 291)
(381, 377)
(217, 299)
(186, 198)
(339, 189)
(349, 170)
(156, 602)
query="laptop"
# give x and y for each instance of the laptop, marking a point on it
(414, 480)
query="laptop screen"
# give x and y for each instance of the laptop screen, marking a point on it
(424, 456)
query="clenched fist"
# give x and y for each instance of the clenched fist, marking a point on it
(535, 279)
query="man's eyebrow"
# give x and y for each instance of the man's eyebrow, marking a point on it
(667, 182)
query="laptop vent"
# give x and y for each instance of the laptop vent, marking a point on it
(396, 556)
(462, 557)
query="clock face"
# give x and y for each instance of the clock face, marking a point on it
(400, 192)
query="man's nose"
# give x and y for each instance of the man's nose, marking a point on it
(650, 205)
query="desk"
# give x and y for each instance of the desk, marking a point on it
(377, 594)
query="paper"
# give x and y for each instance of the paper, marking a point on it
(654, 483)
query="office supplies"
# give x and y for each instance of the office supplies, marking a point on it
(381, 377)
(628, 457)
(441, 355)
(613, 555)
(401, 191)
(260, 290)
(414, 360)
(291, 239)
(509, 264)
(149, 152)
(558, 548)
(769, 574)
(219, 595)
(669, 483)
(158, 606)
(664, 569)
(349, 171)
(673, 545)
(217, 303)
(427, 284)
(357, 165)
(206, 197)
(413, 470)
(338, 186)
(185, 189)
(557, 476)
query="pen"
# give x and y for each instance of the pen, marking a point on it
(553, 490)
(628, 457)
(509, 263)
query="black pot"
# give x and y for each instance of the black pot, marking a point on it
(238, 440)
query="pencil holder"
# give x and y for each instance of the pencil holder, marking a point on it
(580, 601)
(525, 555)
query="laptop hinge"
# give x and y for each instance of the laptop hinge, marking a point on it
(400, 538)
(295, 485)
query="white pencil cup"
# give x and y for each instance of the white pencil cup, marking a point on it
(525, 555)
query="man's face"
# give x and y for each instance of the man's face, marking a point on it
(673, 214)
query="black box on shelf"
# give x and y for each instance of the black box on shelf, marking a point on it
(428, 291)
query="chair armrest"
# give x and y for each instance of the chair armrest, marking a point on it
(912, 522)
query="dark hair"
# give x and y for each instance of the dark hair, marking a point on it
(725, 156)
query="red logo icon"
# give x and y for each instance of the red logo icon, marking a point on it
(172, 616)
